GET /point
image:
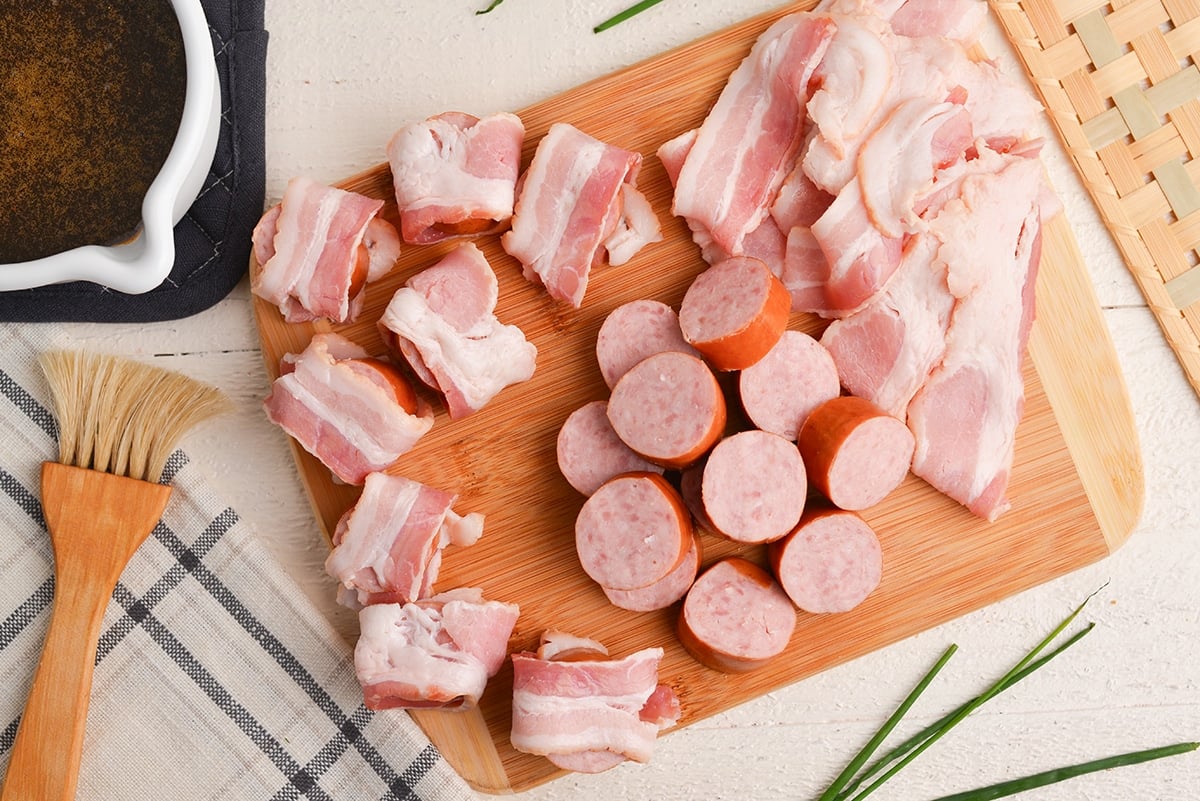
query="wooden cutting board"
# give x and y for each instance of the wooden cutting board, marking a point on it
(1077, 477)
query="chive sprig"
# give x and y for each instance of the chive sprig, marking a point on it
(846, 786)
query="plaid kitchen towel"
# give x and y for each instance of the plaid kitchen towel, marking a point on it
(215, 677)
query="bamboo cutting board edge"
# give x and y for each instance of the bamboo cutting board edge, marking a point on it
(1077, 400)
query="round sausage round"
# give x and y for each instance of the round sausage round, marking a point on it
(665, 592)
(734, 312)
(632, 531)
(754, 486)
(590, 452)
(855, 453)
(633, 331)
(736, 618)
(830, 562)
(781, 389)
(668, 408)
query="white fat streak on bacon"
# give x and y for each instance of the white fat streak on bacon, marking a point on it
(900, 159)
(591, 705)
(861, 257)
(856, 81)
(469, 356)
(885, 351)
(745, 147)
(314, 249)
(431, 653)
(854, 77)
(346, 419)
(569, 204)
(452, 168)
(388, 546)
(637, 227)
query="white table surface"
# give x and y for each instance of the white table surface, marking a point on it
(339, 82)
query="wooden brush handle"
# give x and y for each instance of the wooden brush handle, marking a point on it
(96, 522)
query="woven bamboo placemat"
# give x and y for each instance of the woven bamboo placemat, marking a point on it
(1122, 86)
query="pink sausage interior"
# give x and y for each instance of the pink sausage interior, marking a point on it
(663, 593)
(632, 532)
(590, 452)
(666, 406)
(831, 563)
(782, 388)
(724, 299)
(633, 331)
(745, 617)
(871, 462)
(754, 486)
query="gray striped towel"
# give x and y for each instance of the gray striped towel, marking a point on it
(215, 676)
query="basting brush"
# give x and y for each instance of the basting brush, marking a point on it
(118, 420)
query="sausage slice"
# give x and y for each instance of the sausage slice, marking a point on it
(668, 408)
(855, 452)
(736, 617)
(632, 532)
(830, 562)
(754, 486)
(734, 312)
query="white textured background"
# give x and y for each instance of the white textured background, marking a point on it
(343, 76)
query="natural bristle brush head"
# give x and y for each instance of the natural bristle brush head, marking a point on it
(121, 416)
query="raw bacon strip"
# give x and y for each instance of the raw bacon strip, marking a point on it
(799, 201)
(441, 323)
(570, 204)
(960, 20)
(855, 453)
(637, 227)
(455, 174)
(861, 258)
(754, 486)
(436, 653)
(885, 351)
(898, 162)
(767, 242)
(736, 618)
(315, 252)
(748, 142)
(830, 562)
(853, 82)
(590, 714)
(388, 546)
(965, 416)
(339, 407)
(781, 390)
(590, 452)
(633, 331)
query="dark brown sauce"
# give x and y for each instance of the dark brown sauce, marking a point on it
(91, 94)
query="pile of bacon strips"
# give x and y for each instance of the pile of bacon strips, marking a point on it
(858, 165)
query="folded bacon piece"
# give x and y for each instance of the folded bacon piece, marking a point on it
(455, 174)
(577, 208)
(435, 653)
(356, 414)
(442, 323)
(965, 416)
(388, 546)
(885, 351)
(584, 711)
(318, 248)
